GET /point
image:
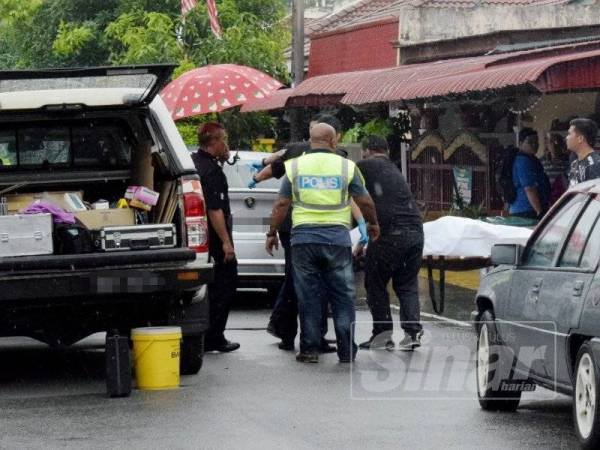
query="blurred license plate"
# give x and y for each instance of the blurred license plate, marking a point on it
(129, 282)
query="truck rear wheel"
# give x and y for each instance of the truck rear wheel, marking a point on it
(191, 355)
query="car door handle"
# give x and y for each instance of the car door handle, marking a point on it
(578, 288)
(537, 285)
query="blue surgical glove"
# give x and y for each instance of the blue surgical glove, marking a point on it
(252, 184)
(362, 228)
(256, 166)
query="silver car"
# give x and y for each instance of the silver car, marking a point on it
(538, 314)
(251, 211)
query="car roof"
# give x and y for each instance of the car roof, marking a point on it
(590, 187)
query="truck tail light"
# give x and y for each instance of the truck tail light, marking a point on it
(195, 221)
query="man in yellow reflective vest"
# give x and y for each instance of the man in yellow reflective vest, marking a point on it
(319, 186)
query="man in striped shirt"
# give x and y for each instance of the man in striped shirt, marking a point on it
(580, 140)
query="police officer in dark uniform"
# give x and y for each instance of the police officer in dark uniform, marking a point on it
(397, 254)
(213, 151)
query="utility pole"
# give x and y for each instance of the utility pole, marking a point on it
(295, 114)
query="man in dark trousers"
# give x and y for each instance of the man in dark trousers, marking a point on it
(319, 185)
(397, 254)
(283, 321)
(213, 151)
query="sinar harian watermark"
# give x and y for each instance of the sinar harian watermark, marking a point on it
(445, 365)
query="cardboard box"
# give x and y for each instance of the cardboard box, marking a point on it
(16, 202)
(96, 219)
(135, 203)
(144, 195)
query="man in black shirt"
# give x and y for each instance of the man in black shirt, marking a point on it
(283, 322)
(580, 140)
(214, 150)
(397, 254)
(274, 165)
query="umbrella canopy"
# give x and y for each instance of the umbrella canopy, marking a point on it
(212, 89)
(276, 100)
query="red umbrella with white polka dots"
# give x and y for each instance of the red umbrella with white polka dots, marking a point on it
(212, 89)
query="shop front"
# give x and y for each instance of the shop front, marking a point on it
(464, 112)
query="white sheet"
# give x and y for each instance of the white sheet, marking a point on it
(461, 237)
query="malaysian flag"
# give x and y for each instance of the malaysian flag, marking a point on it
(187, 6)
(213, 14)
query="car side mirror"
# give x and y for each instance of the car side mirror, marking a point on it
(506, 254)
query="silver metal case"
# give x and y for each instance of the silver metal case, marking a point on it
(135, 237)
(26, 235)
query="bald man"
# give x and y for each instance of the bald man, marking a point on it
(319, 185)
(283, 322)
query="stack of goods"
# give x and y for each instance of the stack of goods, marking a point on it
(136, 237)
(62, 223)
(33, 222)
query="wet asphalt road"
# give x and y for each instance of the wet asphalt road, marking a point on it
(261, 398)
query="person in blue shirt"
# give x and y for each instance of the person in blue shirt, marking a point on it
(531, 183)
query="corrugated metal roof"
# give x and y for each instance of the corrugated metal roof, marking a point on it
(276, 100)
(371, 10)
(441, 78)
(351, 14)
(475, 3)
(366, 11)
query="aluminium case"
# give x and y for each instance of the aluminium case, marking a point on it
(135, 237)
(26, 235)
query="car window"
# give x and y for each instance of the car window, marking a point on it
(8, 148)
(240, 174)
(591, 252)
(580, 237)
(542, 251)
(95, 143)
(101, 144)
(44, 145)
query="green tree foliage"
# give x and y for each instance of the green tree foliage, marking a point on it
(67, 33)
(143, 37)
(377, 127)
(72, 39)
(91, 32)
(241, 128)
(254, 34)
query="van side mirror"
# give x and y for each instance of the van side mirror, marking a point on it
(506, 254)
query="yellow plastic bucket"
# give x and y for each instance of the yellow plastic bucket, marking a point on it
(156, 357)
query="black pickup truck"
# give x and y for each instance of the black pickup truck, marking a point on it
(83, 130)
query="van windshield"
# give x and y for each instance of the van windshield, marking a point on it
(83, 144)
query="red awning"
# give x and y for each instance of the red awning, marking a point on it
(275, 100)
(556, 69)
